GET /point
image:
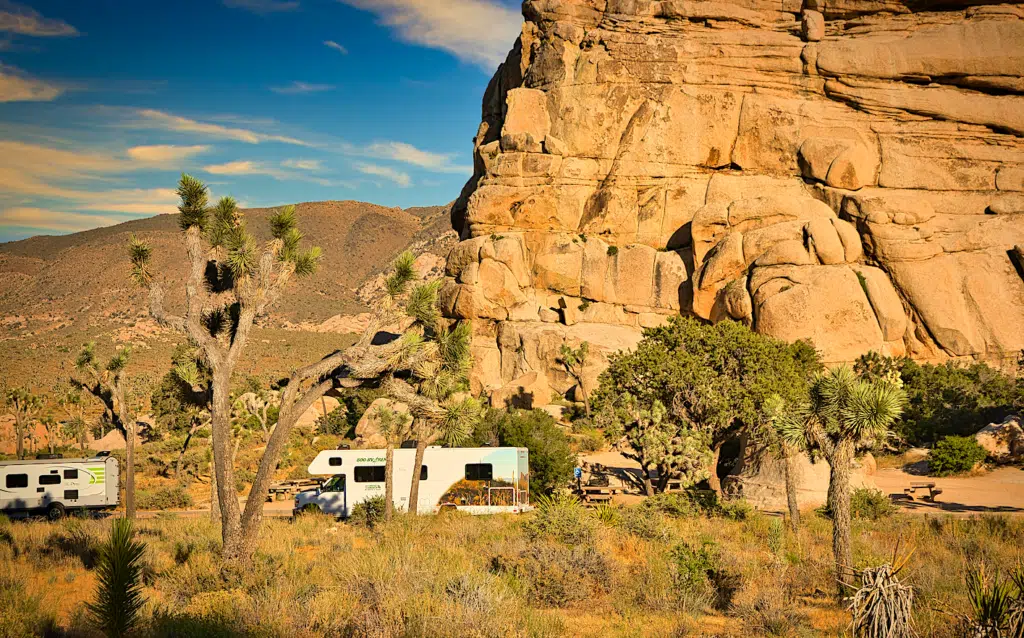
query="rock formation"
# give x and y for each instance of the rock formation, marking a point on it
(846, 171)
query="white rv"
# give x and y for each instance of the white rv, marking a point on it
(55, 486)
(481, 480)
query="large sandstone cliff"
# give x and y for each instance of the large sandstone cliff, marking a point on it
(848, 171)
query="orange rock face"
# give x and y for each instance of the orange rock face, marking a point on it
(848, 172)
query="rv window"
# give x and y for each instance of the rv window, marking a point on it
(49, 479)
(71, 474)
(423, 472)
(370, 474)
(71, 495)
(479, 471)
(334, 461)
(17, 480)
(334, 484)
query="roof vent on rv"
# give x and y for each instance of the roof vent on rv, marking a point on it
(102, 455)
(344, 446)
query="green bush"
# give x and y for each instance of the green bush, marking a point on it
(644, 522)
(589, 440)
(947, 399)
(866, 503)
(563, 518)
(369, 512)
(336, 422)
(551, 459)
(163, 498)
(955, 455)
(698, 502)
(699, 573)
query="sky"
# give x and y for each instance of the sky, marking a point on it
(104, 103)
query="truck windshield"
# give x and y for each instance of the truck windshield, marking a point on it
(334, 484)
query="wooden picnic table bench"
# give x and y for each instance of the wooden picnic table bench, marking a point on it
(593, 494)
(286, 488)
(933, 491)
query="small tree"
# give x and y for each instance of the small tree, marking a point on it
(394, 427)
(119, 588)
(786, 451)
(24, 405)
(257, 404)
(660, 445)
(108, 384)
(844, 414)
(52, 429)
(575, 361)
(69, 398)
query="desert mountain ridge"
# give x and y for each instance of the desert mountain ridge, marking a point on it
(84, 276)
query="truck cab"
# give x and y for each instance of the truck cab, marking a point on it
(329, 498)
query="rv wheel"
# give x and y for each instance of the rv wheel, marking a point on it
(55, 512)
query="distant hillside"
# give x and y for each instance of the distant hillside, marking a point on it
(84, 276)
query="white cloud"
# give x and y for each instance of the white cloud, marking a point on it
(409, 154)
(15, 86)
(58, 221)
(248, 167)
(303, 165)
(262, 7)
(152, 118)
(22, 20)
(398, 177)
(477, 31)
(299, 88)
(164, 153)
(331, 44)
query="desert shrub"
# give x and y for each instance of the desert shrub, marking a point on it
(644, 522)
(71, 538)
(883, 606)
(22, 614)
(563, 518)
(557, 575)
(119, 599)
(163, 498)
(589, 440)
(676, 505)
(551, 459)
(369, 512)
(735, 509)
(955, 455)
(870, 504)
(608, 514)
(700, 574)
(336, 422)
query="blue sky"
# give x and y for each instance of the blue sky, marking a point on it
(103, 103)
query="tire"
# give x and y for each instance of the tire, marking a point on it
(55, 511)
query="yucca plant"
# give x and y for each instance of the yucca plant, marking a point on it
(997, 604)
(882, 607)
(119, 590)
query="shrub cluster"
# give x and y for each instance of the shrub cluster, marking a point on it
(955, 455)
(869, 504)
(163, 498)
(551, 458)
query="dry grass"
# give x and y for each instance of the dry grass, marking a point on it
(457, 575)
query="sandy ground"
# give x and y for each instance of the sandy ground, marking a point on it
(998, 491)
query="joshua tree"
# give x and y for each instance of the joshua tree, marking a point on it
(786, 451)
(256, 403)
(23, 405)
(394, 427)
(69, 398)
(52, 429)
(844, 413)
(108, 384)
(575, 360)
(232, 281)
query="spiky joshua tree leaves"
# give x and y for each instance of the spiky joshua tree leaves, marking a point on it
(119, 598)
(107, 384)
(844, 414)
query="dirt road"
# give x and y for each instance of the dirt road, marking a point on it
(998, 491)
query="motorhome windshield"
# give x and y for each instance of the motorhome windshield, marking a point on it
(334, 484)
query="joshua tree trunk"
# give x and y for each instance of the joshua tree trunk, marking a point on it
(223, 467)
(214, 501)
(839, 506)
(389, 464)
(414, 491)
(648, 485)
(713, 480)
(184, 448)
(129, 461)
(20, 430)
(794, 507)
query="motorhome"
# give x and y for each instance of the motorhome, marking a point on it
(55, 486)
(482, 480)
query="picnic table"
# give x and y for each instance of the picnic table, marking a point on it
(284, 489)
(594, 494)
(933, 491)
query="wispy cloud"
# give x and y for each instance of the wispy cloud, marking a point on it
(409, 154)
(151, 118)
(303, 165)
(299, 88)
(163, 153)
(331, 44)
(22, 20)
(15, 86)
(477, 31)
(398, 177)
(248, 167)
(262, 7)
(51, 220)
